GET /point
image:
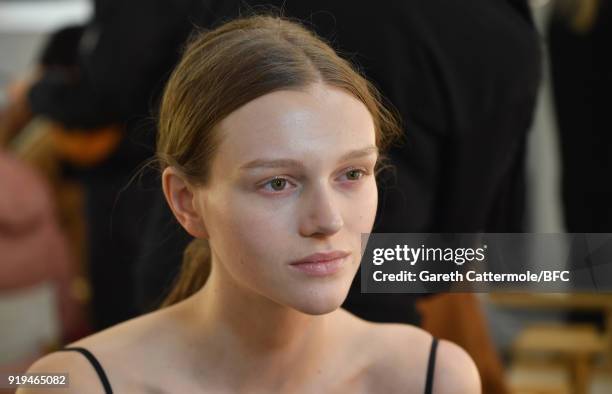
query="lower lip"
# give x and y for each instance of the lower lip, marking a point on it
(323, 268)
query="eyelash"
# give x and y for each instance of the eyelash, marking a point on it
(363, 172)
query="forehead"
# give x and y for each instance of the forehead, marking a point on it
(317, 124)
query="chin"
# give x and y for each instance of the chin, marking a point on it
(319, 301)
(318, 309)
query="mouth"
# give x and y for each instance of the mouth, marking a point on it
(321, 264)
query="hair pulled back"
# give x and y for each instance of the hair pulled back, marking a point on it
(224, 69)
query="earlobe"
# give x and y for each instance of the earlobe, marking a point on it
(181, 199)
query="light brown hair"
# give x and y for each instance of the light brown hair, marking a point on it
(222, 70)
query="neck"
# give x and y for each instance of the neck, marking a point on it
(251, 333)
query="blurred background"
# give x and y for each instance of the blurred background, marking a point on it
(71, 146)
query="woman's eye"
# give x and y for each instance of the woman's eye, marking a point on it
(276, 184)
(354, 174)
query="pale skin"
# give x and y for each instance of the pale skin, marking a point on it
(294, 175)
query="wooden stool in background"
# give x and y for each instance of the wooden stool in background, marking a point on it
(528, 377)
(578, 344)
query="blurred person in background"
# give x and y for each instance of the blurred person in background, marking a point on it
(97, 84)
(579, 39)
(35, 265)
(464, 77)
(580, 34)
(43, 301)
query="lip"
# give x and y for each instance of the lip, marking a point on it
(322, 263)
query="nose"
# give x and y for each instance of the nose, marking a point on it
(321, 215)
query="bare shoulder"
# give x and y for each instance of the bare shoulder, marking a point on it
(455, 371)
(122, 352)
(401, 360)
(82, 378)
(393, 355)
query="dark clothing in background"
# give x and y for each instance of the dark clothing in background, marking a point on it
(120, 62)
(61, 48)
(123, 59)
(581, 71)
(161, 255)
(464, 76)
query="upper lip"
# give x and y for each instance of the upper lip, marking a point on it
(322, 257)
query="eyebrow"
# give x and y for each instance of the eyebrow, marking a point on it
(263, 163)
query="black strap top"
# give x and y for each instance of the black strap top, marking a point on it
(108, 390)
(96, 364)
(431, 365)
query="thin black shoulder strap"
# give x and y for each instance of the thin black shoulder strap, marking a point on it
(95, 363)
(431, 366)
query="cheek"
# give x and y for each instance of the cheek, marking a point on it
(243, 232)
(362, 210)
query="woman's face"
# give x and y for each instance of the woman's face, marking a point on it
(292, 189)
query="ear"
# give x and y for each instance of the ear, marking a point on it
(181, 198)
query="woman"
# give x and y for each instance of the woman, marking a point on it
(269, 143)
